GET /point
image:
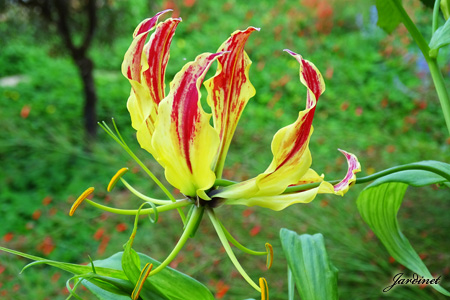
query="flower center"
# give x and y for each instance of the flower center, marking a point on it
(213, 203)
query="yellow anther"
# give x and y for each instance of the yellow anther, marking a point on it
(140, 283)
(269, 255)
(80, 199)
(116, 178)
(264, 288)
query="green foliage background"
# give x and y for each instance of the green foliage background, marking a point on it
(379, 104)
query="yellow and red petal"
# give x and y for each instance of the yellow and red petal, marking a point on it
(144, 66)
(184, 141)
(229, 90)
(291, 155)
(157, 53)
(280, 202)
(277, 202)
(131, 66)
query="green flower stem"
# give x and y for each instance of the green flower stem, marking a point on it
(436, 74)
(142, 196)
(124, 145)
(166, 207)
(192, 224)
(226, 245)
(237, 244)
(304, 187)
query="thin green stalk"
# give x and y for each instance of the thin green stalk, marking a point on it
(228, 249)
(436, 74)
(142, 196)
(167, 207)
(140, 163)
(122, 143)
(237, 244)
(435, 23)
(190, 227)
(441, 90)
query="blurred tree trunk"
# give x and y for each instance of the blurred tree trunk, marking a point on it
(86, 68)
(57, 12)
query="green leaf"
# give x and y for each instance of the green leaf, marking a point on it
(388, 16)
(378, 206)
(103, 294)
(167, 284)
(415, 178)
(314, 275)
(441, 37)
(439, 174)
(71, 268)
(291, 285)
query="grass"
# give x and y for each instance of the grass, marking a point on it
(378, 104)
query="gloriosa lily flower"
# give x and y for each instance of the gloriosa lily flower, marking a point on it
(176, 130)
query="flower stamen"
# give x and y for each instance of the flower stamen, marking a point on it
(264, 288)
(116, 178)
(140, 283)
(269, 249)
(80, 199)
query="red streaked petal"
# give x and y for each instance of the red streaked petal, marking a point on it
(184, 141)
(353, 167)
(230, 89)
(131, 66)
(311, 78)
(291, 156)
(149, 23)
(145, 68)
(157, 53)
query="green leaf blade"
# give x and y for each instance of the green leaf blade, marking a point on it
(441, 37)
(378, 206)
(419, 174)
(314, 275)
